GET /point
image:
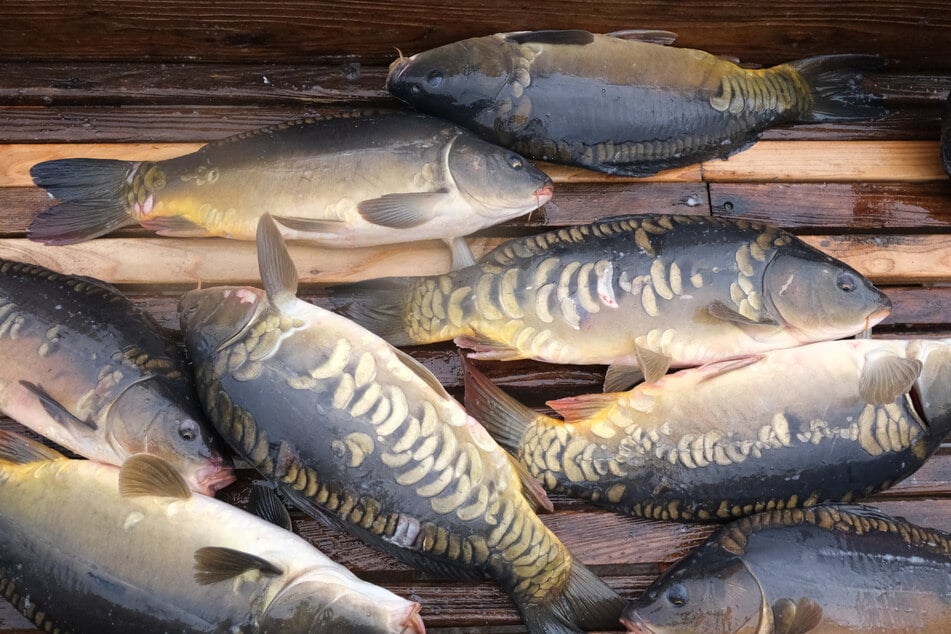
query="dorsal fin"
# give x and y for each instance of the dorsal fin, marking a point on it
(148, 475)
(18, 449)
(654, 365)
(422, 372)
(531, 488)
(216, 563)
(265, 503)
(650, 36)
(570, 37)
(278, 273)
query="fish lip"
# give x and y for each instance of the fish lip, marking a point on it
(214, 477)
(636, 625)
(544, 193)
(412, 622)
(877, 316)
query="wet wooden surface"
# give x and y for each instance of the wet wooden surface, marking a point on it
(149, 79)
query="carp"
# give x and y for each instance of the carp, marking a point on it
(619, 103)
(87, 368)
(152, 557)
(831, 421)
(351, 429)
(946, 136)
(351, 180)
(640, 293)
(831, 569)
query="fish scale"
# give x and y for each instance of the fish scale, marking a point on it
(662, 450)
(689, 289)
(352, 429)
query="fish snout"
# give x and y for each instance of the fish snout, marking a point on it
(214, 476)
(412, 622)
(544, 193)
(879, 314)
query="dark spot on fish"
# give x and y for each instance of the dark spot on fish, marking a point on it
(573, 37)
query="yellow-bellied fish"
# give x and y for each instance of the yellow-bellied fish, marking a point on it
(87, 547)
(623, 103)
(830, 570)
(648, 292)
(339, 181)
(87, 368)
(832, 421)
(352, 428)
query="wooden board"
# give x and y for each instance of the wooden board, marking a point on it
(152, 80)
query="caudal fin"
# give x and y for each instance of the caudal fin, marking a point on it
(91, 191)
(838, 90)
(586, 603)
(503, 417)
(377, 305)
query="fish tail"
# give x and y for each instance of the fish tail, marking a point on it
(91, 191)
(503, 417)
(391, 308)
(585, 603)
(837, 90)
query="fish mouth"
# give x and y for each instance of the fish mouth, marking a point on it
(412, 622)
(877, 316)
(397, 66)
(213, 477)
(636, 625)
(544, 193)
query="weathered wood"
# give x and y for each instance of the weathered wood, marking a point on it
(796, 161)
(911, 33)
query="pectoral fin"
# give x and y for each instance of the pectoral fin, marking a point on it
(215, 563)
(309, 225)
(651, 36)
(654, 365)
(265, 503)
(174, 226)
(402, 211)
(278, 272)
(721, 311)
(54, 408)
(568, 37)
(148, 475)
(886, 376)
(578, 408)
(620, 377)
(487, 349)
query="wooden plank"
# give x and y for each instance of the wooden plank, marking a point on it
(892, 259)
(821, 161)
(912, 33)
(863, 205)
(19, 157)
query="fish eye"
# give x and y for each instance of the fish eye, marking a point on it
(434, 78)
(516, 162)
(847, 282)
(677, 594)
(188, 430)
(414, 89)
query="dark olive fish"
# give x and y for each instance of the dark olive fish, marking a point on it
(344, 181)
(829, 570)
(622, 106)
(833, 421)
(353, 429)
(647, 292)
(87, 547)
(87, 368)
(946, 137)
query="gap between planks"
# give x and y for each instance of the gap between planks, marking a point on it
(771, 161)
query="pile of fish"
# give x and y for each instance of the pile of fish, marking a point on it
(730, 395)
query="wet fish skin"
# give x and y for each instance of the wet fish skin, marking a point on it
(352, 180)
(732, 438)
(87, 368)
(946, 136)
(160, 560)
(620, 105)
(689, 289)
(805, 571)
(351, 429)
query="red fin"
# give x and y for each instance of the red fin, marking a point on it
(578, 408)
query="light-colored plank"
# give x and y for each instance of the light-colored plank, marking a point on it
(833, 161)
(892, 259)
(19, 157)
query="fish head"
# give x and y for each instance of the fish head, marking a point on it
(819, 297)
(151, 417)
(323, 603)
(709, 591)
(932, 390)
(213, 318)
(499, 183)
(459, 81)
